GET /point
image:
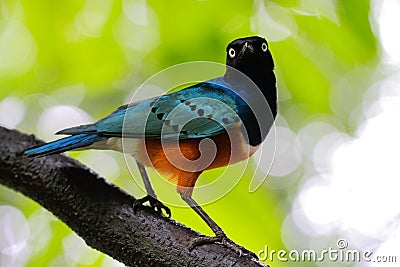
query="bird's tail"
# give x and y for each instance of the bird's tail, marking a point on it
(64, 144)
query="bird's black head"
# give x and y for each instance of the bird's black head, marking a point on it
(249, 55)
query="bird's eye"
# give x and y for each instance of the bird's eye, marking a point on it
(232, 52)
(264, 47)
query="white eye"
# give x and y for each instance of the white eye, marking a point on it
(232, 52)
(264, 47)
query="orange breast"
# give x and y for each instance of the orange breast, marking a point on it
(185, 160)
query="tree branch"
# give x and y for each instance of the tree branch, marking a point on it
(101, 213)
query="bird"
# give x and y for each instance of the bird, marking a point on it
(207, 125)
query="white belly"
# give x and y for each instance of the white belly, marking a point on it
(123, 145)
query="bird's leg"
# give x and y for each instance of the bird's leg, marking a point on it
(220, 236)
(151, 195)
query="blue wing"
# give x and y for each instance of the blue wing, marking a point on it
(203, 110)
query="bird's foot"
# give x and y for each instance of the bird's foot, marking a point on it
(224, 240)
(155, 204)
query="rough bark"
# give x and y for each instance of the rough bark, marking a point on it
(101, 213)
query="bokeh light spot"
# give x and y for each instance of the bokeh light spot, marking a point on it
(41, 233)
(76, 250)
(105, 164)
(14, 233)
(12, 111)
(287, 154)
(59, 117)
(90, 21)
(273, 21)
(137, 31)
(387, 15)
(17, 48)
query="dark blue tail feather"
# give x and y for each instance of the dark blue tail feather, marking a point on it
(64, 144)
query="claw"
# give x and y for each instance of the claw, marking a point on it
(225, 241)
(155, 204)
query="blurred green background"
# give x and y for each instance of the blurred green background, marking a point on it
(64, 63)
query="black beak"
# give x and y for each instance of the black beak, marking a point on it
(246, 47)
